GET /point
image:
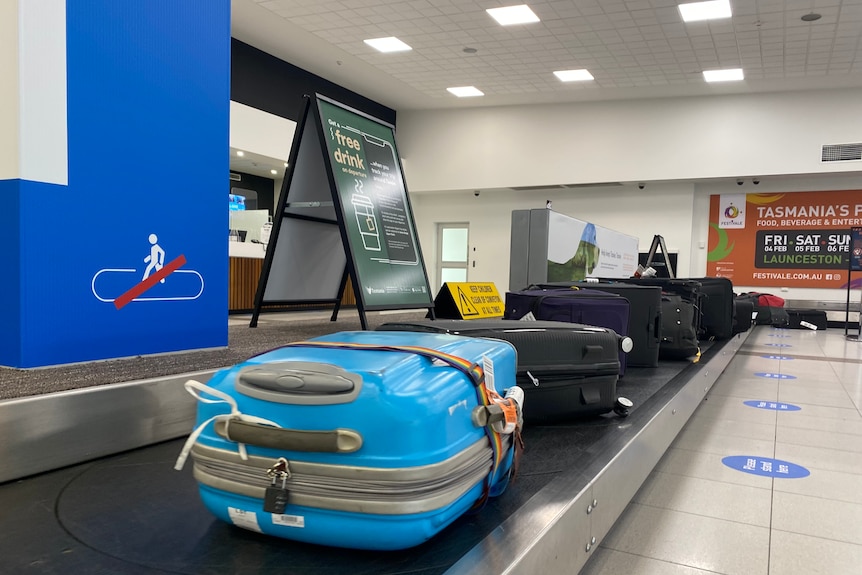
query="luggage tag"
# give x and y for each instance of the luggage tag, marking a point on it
(488, 369)
(276, 496)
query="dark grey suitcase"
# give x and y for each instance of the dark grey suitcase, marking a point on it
(687, 289)
(678, 334)
(743, 315)
(566, 370)
(716, 307)
(644, 316)
(798, 317)
(582, 306)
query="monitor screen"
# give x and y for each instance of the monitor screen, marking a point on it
(236, 202)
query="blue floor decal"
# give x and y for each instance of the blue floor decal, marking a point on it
(774, 375)
(773, 405)
(765, 466)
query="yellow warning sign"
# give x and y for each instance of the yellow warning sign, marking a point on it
(476, 300)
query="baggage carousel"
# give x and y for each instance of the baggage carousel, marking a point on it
(131, 513)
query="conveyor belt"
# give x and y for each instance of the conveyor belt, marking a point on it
(132, 513)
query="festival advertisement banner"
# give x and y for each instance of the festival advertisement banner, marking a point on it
(797, 239)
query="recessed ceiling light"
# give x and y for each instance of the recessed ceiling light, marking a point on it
(573, 75)
(513, 15)
(696, 11)
(390, 44)
(273, 171)
(812, 17)
(285, 164)
(240, 153)
(728, 75)
(465, 91)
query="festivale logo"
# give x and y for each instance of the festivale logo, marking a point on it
(732, 214)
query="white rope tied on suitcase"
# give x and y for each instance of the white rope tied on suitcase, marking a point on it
(198, 390)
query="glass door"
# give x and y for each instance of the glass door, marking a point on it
(452, 253)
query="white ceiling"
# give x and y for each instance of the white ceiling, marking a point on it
(633, 48)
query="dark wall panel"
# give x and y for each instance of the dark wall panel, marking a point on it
(262, 81)
(265, 188)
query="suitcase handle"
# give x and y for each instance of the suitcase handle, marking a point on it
(299, 383)
(332, 441)
(292, 380)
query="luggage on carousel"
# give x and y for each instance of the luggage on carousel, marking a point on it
(743, 315)
(566, 370)
(769, 308)
(644, 316)
(368, 440)
(678, 333)
(687, 289)
(812, 319)
(716, 307)
(586, 306)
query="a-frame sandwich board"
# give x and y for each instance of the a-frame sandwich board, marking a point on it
(343, 212)
(656, 245)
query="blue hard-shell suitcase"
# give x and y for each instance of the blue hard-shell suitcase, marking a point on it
(380, 433)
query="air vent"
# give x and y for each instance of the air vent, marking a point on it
(841, 152)
(236, 177)
(596, 185)
(537, 188)
(566, 187)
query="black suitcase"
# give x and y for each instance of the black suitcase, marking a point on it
(743, 317)
(644, 316)
(797, 318)
(716, 307)
(687, 289)
(769, 309)
(678, 333)
(566, 370)
(588, 307)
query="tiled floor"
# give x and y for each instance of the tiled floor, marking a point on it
(695, 515)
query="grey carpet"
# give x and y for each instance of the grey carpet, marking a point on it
(243, 342)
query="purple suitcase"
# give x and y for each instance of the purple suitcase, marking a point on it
(584, 306)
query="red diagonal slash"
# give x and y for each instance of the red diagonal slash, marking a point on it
(137, 290)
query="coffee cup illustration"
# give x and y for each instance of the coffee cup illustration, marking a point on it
(363, 207)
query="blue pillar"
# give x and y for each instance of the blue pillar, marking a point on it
(116, 239)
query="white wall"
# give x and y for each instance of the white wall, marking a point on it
(253, 130)
(33, 126)
(628, 141)
(661, 208)
(677, 211)
(9, 157)
(684, 149)
(43, 134)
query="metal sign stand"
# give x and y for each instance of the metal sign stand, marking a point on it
(854, 256)
(658, 243)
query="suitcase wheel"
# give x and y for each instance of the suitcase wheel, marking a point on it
(622, 406)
